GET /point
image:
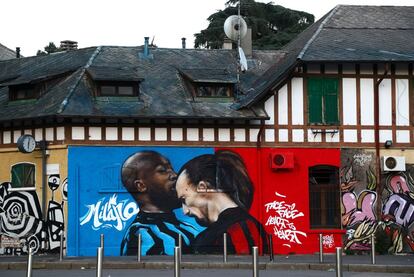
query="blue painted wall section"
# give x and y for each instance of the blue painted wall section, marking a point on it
(99, 204)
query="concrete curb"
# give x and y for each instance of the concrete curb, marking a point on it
(68, 265)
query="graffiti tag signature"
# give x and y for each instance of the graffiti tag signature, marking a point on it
(110, 213)
(362, 159)
(280, 219)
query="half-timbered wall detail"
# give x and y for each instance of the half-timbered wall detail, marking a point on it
(289, 114)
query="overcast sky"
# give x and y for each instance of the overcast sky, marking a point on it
(31, 24)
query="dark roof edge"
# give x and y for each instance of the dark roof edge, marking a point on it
(257, 117)
(333, 11)
(271, 86)
(65, 102)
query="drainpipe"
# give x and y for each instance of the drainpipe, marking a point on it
(259, 173)
(377, 137)
(43, 147)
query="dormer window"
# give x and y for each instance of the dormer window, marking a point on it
(118, 88)
(21, 92)
(213, 90)
(115, 81)
(209, 83)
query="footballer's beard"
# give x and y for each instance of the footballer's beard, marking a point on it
(165, 201)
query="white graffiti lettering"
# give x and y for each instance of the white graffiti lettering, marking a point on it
(362, 159)
(328, 241)
(283, 210)
(110, 214)
(281, 214)
(289, 235)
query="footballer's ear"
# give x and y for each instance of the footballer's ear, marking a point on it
(140, 186)
(202, 186)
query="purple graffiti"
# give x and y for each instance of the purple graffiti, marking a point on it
(359, 209)
(401, 207)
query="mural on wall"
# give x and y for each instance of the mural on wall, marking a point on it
(281, 218)
(398, 210)
(160, 194)
(21, 221)
(359, 198)
(394, 229)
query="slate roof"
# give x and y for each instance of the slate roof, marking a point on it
(6, 53)
(345, 34)
(162, 92)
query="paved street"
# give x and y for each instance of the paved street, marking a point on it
(193, 272)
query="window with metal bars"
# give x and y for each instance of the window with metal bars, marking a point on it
(324, 197)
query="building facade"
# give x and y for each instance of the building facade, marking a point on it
(324, 130)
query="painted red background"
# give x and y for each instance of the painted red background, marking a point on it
(293, 184)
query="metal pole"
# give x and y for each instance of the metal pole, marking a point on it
(139, 247)
(225, 248)
(177, 264)
(338, 262)
(102, 241)
(180, 244)
(255, 261)
(29, 263)
(271, 248)
(99, 260)
(373, 249)
(320, 249)
(61, 246)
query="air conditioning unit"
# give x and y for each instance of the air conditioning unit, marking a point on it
(281, 160)
(393, 163)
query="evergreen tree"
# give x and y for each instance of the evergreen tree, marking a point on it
(272, 25)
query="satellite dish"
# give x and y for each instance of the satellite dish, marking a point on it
(243, 60)
(232, 27)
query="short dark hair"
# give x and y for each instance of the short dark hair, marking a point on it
(224, 171)
(130, 170)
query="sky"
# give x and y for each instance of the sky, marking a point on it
(32, 24)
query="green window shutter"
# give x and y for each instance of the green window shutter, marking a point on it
(331, 101)
(315, 92)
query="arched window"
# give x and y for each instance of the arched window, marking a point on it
(324, 197)
(23, 175)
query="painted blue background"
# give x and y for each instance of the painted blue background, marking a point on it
(94, 173)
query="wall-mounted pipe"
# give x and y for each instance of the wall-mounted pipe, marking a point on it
(377, 136)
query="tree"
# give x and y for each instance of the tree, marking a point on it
(50, 48)
(272, 25)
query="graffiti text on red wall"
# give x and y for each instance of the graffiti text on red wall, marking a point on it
(281, 216)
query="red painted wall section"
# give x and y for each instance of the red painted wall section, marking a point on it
(281, 198)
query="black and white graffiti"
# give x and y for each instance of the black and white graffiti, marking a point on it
(21, 221)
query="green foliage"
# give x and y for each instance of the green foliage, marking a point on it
(50, 48)
(272, 25)
(371, 180)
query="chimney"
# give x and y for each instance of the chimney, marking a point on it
(18, 52)
(146, 46)
(146, 53)
(227, 43)
(246, 43)
(183, 42)
(68, 45)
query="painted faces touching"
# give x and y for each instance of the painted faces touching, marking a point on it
(159, 179)
(194, 203)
